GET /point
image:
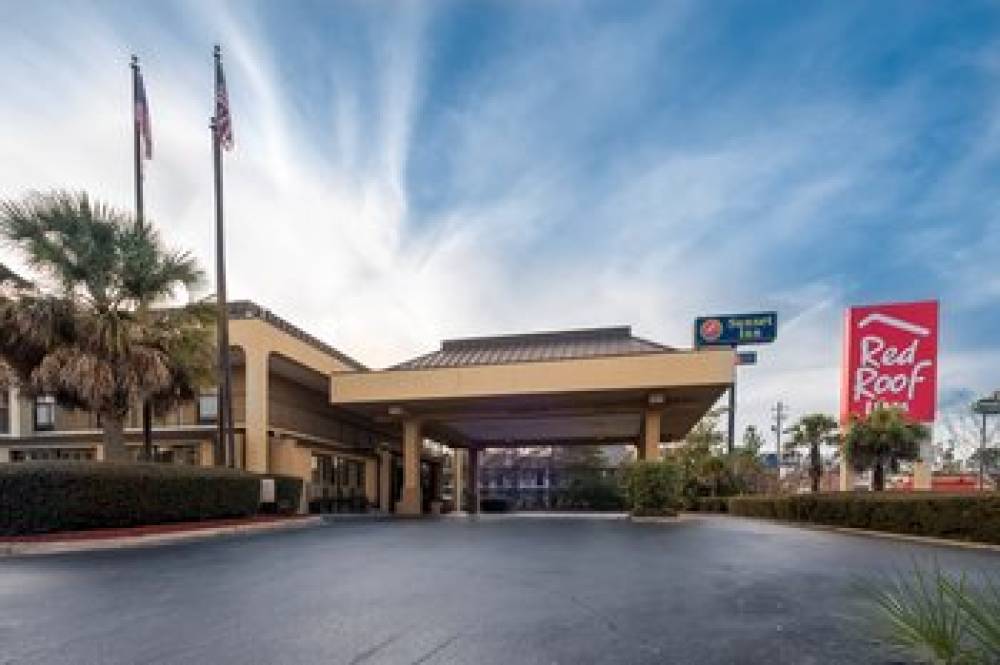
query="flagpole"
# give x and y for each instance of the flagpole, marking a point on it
(225, 415)
(147, 410)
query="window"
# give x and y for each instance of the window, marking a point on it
(45, 454)
(541, 478)
(45, 413)
(4, 411)
(208, 407)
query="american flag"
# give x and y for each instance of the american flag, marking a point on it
(223, 121)
(142, 115)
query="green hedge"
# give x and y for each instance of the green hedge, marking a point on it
(973, 517)
(707, 504)
(39, 497)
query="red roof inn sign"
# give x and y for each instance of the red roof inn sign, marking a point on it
(890, 358)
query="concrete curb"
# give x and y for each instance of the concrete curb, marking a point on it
(150, 540)
(655, 520)
(355, 518)
(852, 531)
(538, 515)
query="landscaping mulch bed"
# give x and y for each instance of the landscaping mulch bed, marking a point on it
(146, 530)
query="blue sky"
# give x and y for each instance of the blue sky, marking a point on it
(411, 171)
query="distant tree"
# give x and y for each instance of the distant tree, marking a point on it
(752, 440)
(992, 458)
(964, 430)
(813, 431)
(706, 433)
(580, 457)
(590, 483)
(883, 438)
(707, 470)
(949, 463)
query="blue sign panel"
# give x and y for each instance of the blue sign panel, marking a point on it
(732, 330)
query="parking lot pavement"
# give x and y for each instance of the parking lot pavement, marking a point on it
(470, 592)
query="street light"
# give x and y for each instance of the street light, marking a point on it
(987, 406)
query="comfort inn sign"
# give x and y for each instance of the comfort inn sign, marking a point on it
(736, 329)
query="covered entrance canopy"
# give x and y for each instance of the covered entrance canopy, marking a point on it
(591, 386)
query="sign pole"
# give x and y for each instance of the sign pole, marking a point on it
(982, 457)
(731, 442)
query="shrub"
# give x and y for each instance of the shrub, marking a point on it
(653, 488)
(595, 493)
(39, 497)
(494, 505)
(961, 517)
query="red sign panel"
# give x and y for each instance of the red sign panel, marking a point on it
(890, 358)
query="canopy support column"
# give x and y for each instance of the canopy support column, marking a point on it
(411, 502)
(649, 445)
(473, 496)
(458, 479)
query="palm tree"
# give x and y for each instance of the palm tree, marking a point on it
(91, 328)
(885, 437)
(814, 430)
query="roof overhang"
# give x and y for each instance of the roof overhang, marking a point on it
(579, 400)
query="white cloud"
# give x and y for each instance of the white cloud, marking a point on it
(541, 230)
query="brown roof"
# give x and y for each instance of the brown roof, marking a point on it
(531, 347)
(246, 309)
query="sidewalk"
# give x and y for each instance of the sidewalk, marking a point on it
(146, 536)
(854, 531)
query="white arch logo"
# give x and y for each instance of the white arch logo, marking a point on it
(892, 321)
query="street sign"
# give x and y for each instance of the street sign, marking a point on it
(987, 406)
(746, 358)
(735, 329)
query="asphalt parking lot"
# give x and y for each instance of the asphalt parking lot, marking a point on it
(497, 590)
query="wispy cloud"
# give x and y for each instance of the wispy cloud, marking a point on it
(406, 172)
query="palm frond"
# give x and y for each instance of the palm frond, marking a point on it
(152, 274)
(67, 238)
(981, 606)
(88, 332)
(935, 616)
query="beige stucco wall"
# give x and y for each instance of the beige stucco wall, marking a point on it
(288, 458)
(296, 407)
(648, 371)
(258, 340)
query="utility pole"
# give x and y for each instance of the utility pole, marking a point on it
(780, 412)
